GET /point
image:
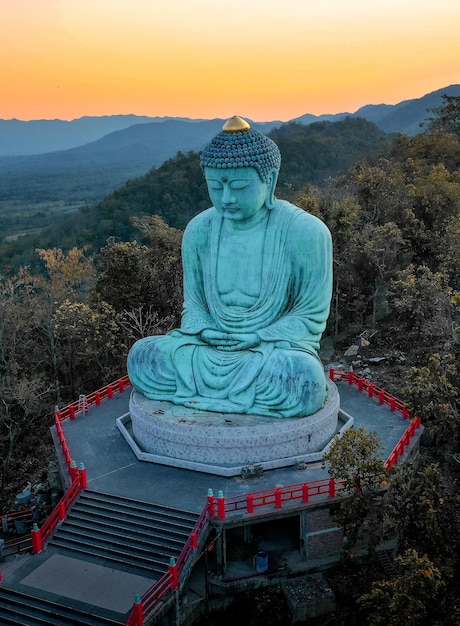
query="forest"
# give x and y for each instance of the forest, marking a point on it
(73, 301)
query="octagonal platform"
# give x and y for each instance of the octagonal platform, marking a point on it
(223, 444)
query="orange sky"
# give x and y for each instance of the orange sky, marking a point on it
(262, 59)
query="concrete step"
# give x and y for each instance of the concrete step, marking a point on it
(154, 541)
(132, 521)
(123, 509)
(121, 501)
(26, 610)
(125, 557)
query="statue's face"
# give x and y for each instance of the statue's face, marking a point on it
(238, 193)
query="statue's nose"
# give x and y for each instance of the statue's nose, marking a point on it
(227, 195)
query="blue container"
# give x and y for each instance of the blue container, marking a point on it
(261, 561)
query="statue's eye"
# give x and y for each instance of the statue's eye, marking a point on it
(214, 184)
(239, 184)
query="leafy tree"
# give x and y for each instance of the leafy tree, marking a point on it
(432, 391)
(423, 302)
(25, 394)
(24, 403)
(143, 283)
(88, 345)
(447, 116)
(69, 273)
(356, 459)
(408, 599)
(67, 277)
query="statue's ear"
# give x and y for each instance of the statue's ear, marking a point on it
(273, 177)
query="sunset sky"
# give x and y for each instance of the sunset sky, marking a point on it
(262, 59)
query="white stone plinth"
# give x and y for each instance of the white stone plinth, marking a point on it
(199, 439)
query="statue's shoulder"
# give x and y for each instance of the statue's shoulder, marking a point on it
(199, 226)
(299, 221)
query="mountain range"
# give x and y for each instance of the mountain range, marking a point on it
(22, 138)
(95, 155)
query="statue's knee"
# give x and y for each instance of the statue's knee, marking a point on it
(294, 363)
(150, 350)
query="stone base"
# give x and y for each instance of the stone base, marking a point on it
(221, 443)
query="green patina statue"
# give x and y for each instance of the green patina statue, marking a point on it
(257, 290)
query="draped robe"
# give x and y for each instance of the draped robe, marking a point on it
(280, 377)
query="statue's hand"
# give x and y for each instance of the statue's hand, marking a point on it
(230, 341)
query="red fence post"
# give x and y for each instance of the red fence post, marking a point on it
(360, 384)
(109, 391)
(97, 397)
(194, 541)
(393, 404)
(137, 611)
(172, 568)
(351, 377)
(332, 374)
(220, 505)
(36, 540)
(121, 385)
(381, 396)
(405, 413)
(278, 498)
(305, 493)
(62, 513)
(370, 390)
(249, 503)
(332, 488)
(57, 413)
(210, 503)
(72, 412)
(73, 471)
(83, 477)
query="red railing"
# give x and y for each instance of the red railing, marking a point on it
(372, 390)
(72, 410)
(58, 514)
(220, 507)
(77, 475)
(145, 605)
(8, 521)
(400, 447)
(384, 398)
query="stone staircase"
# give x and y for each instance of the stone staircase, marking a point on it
(20, 609)
(120, 533)
(125, 534)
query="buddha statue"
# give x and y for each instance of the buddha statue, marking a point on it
(257, 290)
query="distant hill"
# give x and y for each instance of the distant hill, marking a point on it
(20, 138)
(404, 117)
(88, 173)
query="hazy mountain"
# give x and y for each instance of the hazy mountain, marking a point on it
(89, 172)
(404, 117)
(18, 137)
(407, 116)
